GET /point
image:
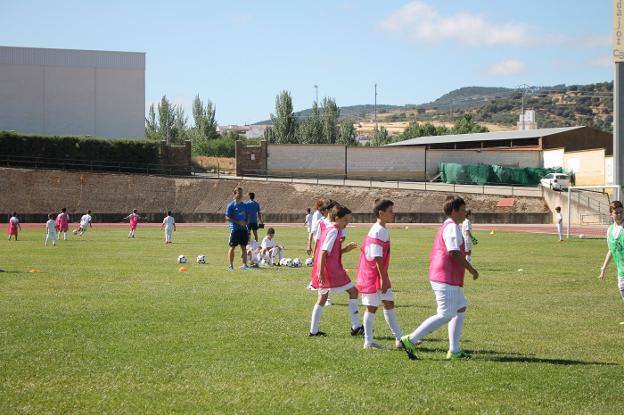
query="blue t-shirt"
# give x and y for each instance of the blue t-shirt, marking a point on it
(253, 208)
(236, 211)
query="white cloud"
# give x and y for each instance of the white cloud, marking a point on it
(601, 61)
(507, 67)
(422, 22)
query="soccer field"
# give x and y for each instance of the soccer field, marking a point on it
(109, 325)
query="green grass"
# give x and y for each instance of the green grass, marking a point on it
(108, 325)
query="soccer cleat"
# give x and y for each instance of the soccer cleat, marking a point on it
(373, 346)
(318, 334)
(457, 356)
(230, 268)
(244, 268)
(409, 347)
(358, 331)
(399, 345)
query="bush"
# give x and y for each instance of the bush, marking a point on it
(218, 147)
(92, 150)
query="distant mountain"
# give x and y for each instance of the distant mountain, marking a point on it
(352, 111)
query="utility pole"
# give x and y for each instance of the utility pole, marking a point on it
(524, 89)
(316, 89)
(618, 96)
(375, 119)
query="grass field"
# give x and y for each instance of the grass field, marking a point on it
(108, 325)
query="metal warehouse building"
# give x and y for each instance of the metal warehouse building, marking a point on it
(72, 92)
(585, 151)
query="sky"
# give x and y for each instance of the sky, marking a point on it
(241, 54)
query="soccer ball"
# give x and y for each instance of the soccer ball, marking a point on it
(75, 231)
(581, 236)
(182, 259)
(296, 263)
(288, 262)
(264, 262)
(282, 261)
(309, 262)
(201, 259)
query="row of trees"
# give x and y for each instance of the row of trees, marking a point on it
(169, 122)
(322, 126)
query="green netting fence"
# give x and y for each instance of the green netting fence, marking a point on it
(493, 174)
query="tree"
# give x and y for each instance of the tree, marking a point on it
(166, 117)
(310, 131)
(331, 112)
(466, 125)
(347, 133)
(179, 130)
(283, 130)
(204, 118)
(151, 125)
(380, 137)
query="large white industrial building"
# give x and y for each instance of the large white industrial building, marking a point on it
(72, 92)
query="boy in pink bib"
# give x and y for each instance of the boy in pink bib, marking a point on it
(331, 275)
(62, 223)
(373, 281)
(447, 264)
(134, 221)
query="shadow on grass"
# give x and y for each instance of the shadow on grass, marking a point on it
(380, 308)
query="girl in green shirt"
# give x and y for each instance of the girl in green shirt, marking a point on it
(615, 241)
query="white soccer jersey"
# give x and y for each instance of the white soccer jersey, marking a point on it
(85, 220)
(268, 243)
(50, 226)
(168, 222)
(375, 250)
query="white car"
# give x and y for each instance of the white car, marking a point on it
(556, 181)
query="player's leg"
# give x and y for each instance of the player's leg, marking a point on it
(446, 300)
(391, 318)
(317, 312)
(371, 302)
(621, 287)
(356, 327)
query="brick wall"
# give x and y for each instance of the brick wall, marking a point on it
(251, 159)
(176, 159)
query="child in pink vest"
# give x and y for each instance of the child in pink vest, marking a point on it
(134, 220)
(14, 225)
(447, 264)
(331, 275)
(319, 227)
(373, 281)
(62, 223)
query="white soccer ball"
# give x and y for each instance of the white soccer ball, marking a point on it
(201, 259)
(582, 236)
(182, 259)
(264, 262)
(75, 231)
(296, 263)
(309, 262)
(288, 262)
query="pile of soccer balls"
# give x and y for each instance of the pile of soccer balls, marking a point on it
(201, 259)
(289, 262)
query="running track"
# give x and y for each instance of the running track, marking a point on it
(589, 231)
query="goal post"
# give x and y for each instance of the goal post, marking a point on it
(589, 205)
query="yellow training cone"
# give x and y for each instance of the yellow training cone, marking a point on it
(32, 270)
(407, 227)
(492, 233)
(183, 269)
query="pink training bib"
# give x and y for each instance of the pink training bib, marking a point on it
(134, 219)
(368, 277)
(334, 274)
(442, 268)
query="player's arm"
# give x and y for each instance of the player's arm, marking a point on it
(321, 266)
(350, 247)
(605, 264)
(385, 280)
(461, 260)
(260, 216)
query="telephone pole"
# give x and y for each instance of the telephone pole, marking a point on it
(375, 119)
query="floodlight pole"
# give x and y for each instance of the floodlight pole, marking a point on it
(618, 126)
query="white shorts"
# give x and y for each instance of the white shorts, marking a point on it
(374, 299)
(450, 298)
(345, 287)
(51, 236)
(84, 228)
(621, 287)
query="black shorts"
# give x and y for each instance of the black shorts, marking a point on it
(239, 237)
(252, 226)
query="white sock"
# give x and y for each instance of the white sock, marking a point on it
(454, 332)
(431, 324)
(469, 259)
(369, 322)
(353, 312)
(391, 319)
(317, 311)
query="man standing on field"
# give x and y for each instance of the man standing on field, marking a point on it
(236, 215)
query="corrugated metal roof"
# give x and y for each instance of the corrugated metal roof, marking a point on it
(72, 57)
(491, 136)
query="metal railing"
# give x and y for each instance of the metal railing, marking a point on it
(404, 184)
(95, 165)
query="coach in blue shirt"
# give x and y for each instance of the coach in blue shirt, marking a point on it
(254, 216)
(236, 214)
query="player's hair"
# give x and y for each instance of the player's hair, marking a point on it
(238, 189)
(50, 216)
(329, 204)
(452, 203)
(270, 231)
(169, 213)
(381, 205)
(252, 195)
(616, 204)
(88, 212)
(308, 210)
(14, 214)
(134, 210)
(339, 211)
(63, 210)
(558, 209)
(468, 212)
(318, 204)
